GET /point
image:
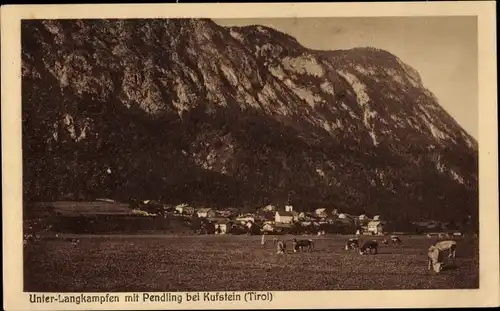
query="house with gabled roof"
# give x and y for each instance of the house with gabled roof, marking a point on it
(345, 216)
(321, 212)
(245, 218)
(205, 213)
(184, 209)
(222, 225)
(283, 217)
(375, 227)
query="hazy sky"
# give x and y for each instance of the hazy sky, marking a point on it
(442, 49)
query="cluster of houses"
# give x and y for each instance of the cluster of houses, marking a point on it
(149, 214)
(272, 219)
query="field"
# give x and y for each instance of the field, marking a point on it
(209, 263)
(76, 208)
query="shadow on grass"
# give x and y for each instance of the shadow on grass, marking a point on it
(450, 267)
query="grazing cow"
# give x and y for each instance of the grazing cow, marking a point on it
(281, 247)
(434, 259)
(369, 246)
(448, 245)
(301, 244)
(396, 240)
(352, 243)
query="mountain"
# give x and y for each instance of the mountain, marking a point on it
(189, 111)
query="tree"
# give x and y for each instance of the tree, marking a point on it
(209, 228)
(453, 225)
(313, 229)
(296, 228)
(195, 223)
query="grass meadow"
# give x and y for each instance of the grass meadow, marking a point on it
(130, 263)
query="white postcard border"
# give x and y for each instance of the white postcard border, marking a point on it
(487, 295)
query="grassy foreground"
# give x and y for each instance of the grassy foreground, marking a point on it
(218, 263)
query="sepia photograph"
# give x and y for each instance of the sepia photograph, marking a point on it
(248, 154)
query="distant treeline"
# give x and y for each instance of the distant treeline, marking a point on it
(102, 224)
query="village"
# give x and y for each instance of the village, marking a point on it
(271, 219)
(106, 215)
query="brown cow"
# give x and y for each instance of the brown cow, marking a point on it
(369, 246)
(301, 244)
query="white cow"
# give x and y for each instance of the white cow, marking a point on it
(448, 245)
(352, 243)
(281, 247)
(434, 259)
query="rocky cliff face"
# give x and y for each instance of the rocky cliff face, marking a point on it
(193, 112)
